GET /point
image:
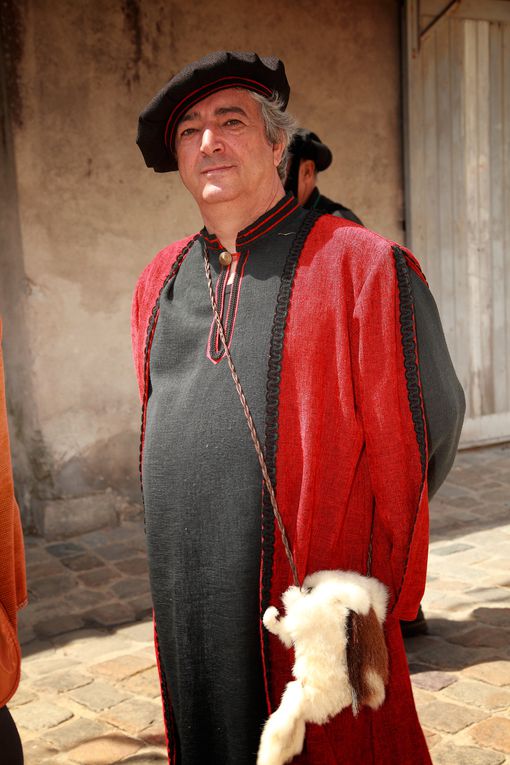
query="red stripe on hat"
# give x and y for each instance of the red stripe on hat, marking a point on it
(209, 89)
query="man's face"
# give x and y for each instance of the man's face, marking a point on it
(222, 149)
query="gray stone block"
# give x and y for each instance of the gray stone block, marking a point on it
(451, 549)
(433, 680)
(73, 733)
(131, 587)
(99, 696)
(64, 549)
(118, 550)
(133, 715)
(98, 577)
(449, 656)
(38, 715)
(455, 755)
(51, 587)
(39, 667)
(450, 718)
(482, 635)
(58, 625)
(62, 518)
(480, 694)
(134, 566)
(82, 600)
(110, 615)
(22, 696)
(83, 562)
(61, 682)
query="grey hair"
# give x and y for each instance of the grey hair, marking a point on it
(279, 125)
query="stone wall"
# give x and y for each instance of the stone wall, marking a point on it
(83, 215)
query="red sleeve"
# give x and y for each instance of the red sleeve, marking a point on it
(389, 393)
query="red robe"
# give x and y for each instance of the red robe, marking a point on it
(346, 445)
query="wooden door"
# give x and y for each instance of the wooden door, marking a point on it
(457, 107)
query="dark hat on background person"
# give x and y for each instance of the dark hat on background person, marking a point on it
(217, 71)
(305, 145)
(308, 145)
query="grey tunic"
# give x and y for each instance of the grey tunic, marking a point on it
(202, 492)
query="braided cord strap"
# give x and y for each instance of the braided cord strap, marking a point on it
(249, 420)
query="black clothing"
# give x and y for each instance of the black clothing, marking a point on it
(305, 145)
(10, 742)
(317, 201)
(437, 374)
(308, 145)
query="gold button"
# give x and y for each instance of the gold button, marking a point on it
(225, 258)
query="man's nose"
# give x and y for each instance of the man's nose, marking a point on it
(210, 142)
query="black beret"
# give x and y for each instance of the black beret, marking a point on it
(308, 145)
(214, 72)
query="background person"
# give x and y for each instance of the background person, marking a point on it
(307, 157)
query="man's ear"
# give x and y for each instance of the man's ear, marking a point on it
(308, 169)
(278, 149)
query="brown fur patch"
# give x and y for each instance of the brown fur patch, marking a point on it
(366, 649)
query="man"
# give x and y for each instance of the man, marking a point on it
(309, 156)
(321, 323)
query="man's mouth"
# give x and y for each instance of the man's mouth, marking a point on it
(216, 169)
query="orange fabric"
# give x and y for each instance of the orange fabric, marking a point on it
(13, 590)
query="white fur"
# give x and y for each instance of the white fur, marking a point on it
(315, 624)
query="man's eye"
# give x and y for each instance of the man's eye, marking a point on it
(233, 122)
(187, 132)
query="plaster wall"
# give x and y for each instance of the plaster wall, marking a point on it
(89, 215)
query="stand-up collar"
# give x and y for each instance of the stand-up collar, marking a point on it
(313, 200)
(267, 223)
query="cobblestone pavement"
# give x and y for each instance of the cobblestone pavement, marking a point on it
(89, 690)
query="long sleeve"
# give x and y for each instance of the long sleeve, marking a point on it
(443, 396)
(391, 406)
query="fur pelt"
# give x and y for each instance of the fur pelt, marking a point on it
(334, 621)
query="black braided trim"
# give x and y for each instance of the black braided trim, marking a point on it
(167, 706)
(151, 326)
(408, 334)
(272, 404)
(407, 331)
